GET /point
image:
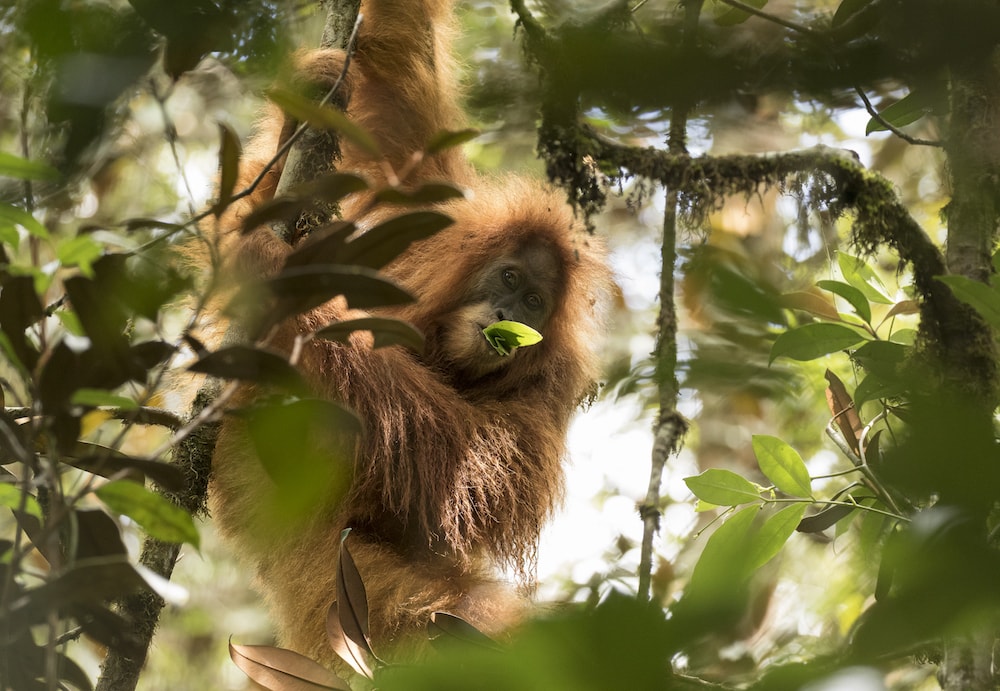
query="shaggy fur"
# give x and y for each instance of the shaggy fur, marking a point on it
(456, 473)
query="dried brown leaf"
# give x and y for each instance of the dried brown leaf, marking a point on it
(278, 669)
(842, 408)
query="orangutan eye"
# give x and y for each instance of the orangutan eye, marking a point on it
(509, 278)
(533, 301)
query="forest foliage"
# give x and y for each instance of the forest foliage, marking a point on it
(828, 347)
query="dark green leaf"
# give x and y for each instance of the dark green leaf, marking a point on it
(429, 193)
(230, 152)
(89, 581)
(247, 363)
(847, 9)
(722, 487)
(380, 245)
(386, 331)
(322, 246)
(821, 520)
(104, 461)
(155, 514)
(813, 341)
(97, 535)
(301, 288)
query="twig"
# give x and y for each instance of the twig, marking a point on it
(889, 126)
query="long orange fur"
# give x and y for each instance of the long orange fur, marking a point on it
(455, 476)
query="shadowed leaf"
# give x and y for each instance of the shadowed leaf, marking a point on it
(429, 193)
(278, 669)
(386, 241)
(821, 520)
(230, 151)
(249, 364)
(352, 607)
(385, 331)
(446, 629)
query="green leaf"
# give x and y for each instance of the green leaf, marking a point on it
(379, 245)
(723, 567)
(100, 397)
(12, 166)
(854, 297)
(861, 276)
(847, 9)
(874, 388)
(428, 193)
(447, 140)
(81, 251)
(507, 336)
(813, 341)
(247, 363)
(782, 465)
(153, 512)
(324, 117)
(10, 497)
(767, 541)
(906, 110)
(12, 214)
(825, 518)
(981, 297)
(385, 331)
(722, 487)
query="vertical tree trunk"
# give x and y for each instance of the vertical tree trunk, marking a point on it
(974, 160)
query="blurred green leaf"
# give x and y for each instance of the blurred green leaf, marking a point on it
(154, 513)
(981, 297)
(324, 117)
(782, 465)
(449, 140)
(12, 214)
(381, 244)
(813, 341)
(100, 397)
(11, 497)
(12, 166)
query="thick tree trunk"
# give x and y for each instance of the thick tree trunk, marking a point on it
(973, 214)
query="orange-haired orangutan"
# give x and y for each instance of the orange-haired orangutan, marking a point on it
(459, 465)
